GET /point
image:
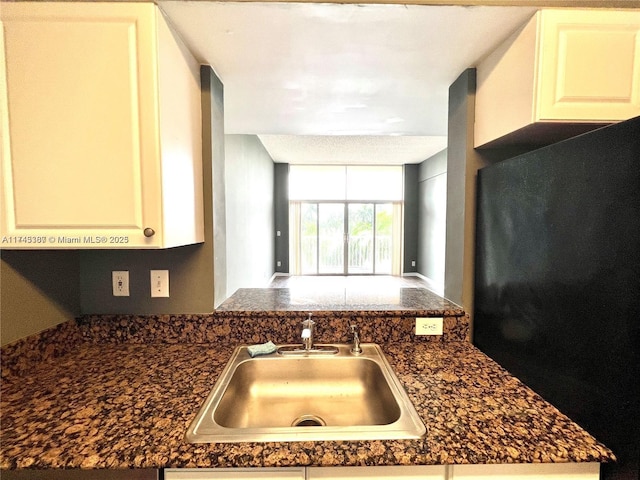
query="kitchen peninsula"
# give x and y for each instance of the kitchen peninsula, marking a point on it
(118, 391)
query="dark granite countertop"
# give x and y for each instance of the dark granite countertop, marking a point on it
(121, 396)
(339, 298)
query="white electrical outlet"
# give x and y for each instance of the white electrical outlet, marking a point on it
(120, 283)
(429, 325)
(159, 283)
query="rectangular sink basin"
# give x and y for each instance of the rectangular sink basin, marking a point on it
(306, 397)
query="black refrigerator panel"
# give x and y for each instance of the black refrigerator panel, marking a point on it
(557, 283)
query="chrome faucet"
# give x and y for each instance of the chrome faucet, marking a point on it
(308, 347)
(356, 349)
(307, 333)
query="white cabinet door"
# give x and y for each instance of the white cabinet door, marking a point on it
(563, 73)
(294, 473)
(589, 65)
(92, 153)
(531, 471)
(422, 472)
(548, 471)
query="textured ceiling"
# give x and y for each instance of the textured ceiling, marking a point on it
(317, 70)
(352, 150)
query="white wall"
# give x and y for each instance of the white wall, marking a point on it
(249, 213)
(432, 223)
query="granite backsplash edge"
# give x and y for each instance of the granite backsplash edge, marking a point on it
(223, 328)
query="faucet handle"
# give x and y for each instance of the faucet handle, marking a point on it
(308, 323)
(356, 349)
(307, 333)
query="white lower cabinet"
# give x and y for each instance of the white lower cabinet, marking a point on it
(546, 471)
(295, 473)
(530, 471)
(426, 472)
(418, 472)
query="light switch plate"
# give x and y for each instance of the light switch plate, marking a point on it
(429, 325)
(159, 283)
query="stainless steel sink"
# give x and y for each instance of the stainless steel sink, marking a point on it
(306, 397)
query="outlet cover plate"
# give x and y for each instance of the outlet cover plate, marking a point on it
(429, 325)
(120, 283)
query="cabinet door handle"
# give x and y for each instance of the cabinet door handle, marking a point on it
(149, 232)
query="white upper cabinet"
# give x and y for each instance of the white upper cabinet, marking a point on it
(101, 128)
(565, 72)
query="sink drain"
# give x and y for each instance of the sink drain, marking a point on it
(308, 421)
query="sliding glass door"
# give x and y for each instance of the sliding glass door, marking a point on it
(370, 238)
(307, 247)
(322, 238)
(346, 238)
(345, 219)
(360, 238)
(384, 235)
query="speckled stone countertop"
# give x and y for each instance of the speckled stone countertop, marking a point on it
(392, 300)
(121, 391)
